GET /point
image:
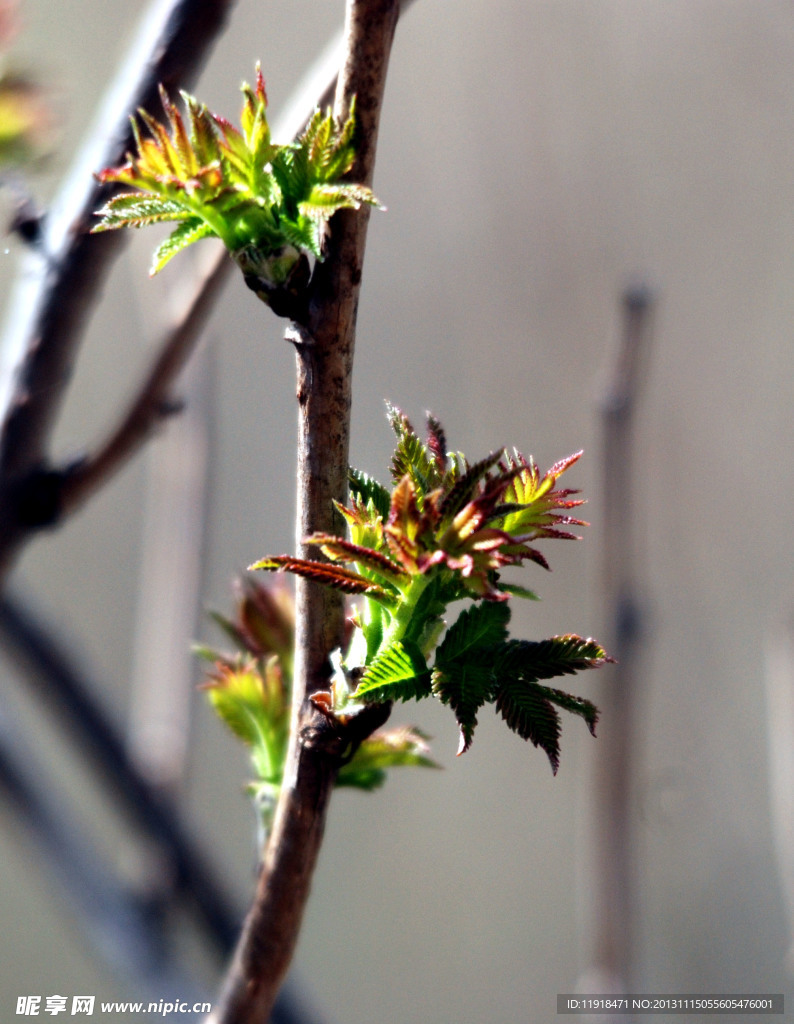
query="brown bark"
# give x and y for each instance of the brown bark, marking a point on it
(325, 362)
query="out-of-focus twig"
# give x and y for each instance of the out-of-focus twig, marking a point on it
(154, 400)
(58, 286)
(51, 673)
(118, 920)
(611, 819)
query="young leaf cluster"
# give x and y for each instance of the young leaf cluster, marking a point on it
(447, 530)
(267, 202)
(251, 692)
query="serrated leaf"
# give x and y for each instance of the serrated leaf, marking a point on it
(131, 209)
(538, 516)
(575, 705)
(186, 234)
(367, 489)
(339, 549)
(478, 630)
(528, 712)
(334, 576)
(463, 673)
(465, 488)
(411, 456)
(437, 442)
(526, 706)
(324, 200)
(398, 673)
(259, 198)
(545, 659)
(465, 687)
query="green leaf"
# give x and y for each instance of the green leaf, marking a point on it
(575, 705)
(254, 704)
(465, 687)
(527, 710)
(186, 234)
(239, 703)
(324, 200)
(526, 706)
(259, 198)
(463, 673)
(367, 489)
(411, 456)
(133, 210)
(478, 630)
(398, 673)
(545, 659)
(387, 748)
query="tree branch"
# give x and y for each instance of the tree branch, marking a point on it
(325, 361)
(621, 683)
(51, 304)
(154, 399)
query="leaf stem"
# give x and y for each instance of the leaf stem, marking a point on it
(403, 615)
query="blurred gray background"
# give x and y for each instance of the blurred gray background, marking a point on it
(535, 158)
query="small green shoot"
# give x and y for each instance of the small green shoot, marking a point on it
(448, 530)
(251, 692)
(267, 202)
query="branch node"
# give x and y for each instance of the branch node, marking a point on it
(305, 346)
(170, 406)
(37, 497)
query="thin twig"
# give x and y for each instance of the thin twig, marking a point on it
(154, 400)
(614, 833)
(121, 923)
(65, 691)
(53, 299)
(324, 358)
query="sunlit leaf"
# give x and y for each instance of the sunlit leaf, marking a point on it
(386, 748)
(399, 672)
(335, 576)
(267, 203)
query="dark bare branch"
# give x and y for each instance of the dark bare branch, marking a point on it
(41, 343)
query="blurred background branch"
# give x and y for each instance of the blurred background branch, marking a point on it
(64, 276)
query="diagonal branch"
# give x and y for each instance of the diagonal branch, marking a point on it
(325, 360)
(51, 303)
(154, 400)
